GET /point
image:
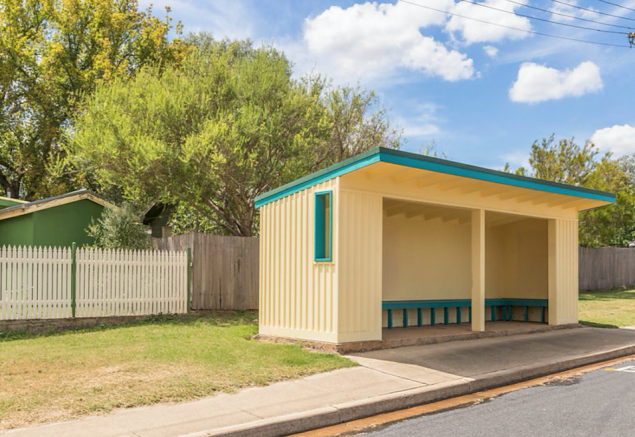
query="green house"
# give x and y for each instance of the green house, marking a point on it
(57, 221)
(6, 202)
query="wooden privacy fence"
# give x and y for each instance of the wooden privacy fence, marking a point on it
(224, 269)
(48, 283)
(606, 267)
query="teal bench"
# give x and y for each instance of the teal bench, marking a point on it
(506, 306)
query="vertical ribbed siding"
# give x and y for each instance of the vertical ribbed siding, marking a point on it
(297, 294)
(563, 271)
(360, 264)
(570, 273)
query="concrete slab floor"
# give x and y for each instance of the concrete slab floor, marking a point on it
(486, 355)
(439, 330)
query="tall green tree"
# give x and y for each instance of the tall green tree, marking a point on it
(227, 125)
(567, 162)
(564, 161)
(357, 122)
(52, 52)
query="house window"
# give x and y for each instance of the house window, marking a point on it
(323, 226)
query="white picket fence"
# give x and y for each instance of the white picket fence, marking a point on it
(38, 283)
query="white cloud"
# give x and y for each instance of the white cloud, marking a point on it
(490, 51)
(517, 159)
(473, 31)
(564, 12)
(223, 19)
(372, 40)
(618, 139)
(422, 121)
(538, 83)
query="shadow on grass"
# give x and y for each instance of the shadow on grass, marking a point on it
(598, 325)
(217, 318)
(612, 294)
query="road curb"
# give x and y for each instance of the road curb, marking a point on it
(345, 412)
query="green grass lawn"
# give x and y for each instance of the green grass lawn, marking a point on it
(611, 308)
(62, 376)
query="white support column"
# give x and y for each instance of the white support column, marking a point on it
(478, 270)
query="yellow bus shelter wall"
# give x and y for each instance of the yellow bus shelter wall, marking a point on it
(426, 259)
(298, 296)
(516, 261)
(360, 266)
(563, 271)
(340, 300)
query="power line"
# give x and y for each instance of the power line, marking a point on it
(567, 15)
(483, 5)
(533, 32)
(619, 6)
(571, 5)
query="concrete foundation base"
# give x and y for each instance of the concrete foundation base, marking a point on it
(415, 336)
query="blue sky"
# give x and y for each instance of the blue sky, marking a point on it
(483, 93)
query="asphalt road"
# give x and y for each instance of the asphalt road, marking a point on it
(597, 404)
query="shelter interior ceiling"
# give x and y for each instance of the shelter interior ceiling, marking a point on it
(395, 174)
(428, 211)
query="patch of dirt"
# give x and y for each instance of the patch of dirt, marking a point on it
(563, 381)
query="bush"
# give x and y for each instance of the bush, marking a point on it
(120, 228)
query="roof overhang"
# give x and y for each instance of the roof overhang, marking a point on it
(8, 201)
(39, 205)
(557, 194)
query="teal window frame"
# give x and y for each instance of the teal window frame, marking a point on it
(323, 247)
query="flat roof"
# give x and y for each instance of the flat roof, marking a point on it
(422, 162)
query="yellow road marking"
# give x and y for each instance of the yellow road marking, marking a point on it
(466, 400)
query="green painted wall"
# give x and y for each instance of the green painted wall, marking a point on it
(57, 226)
(17, 231)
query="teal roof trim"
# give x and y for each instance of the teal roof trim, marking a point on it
(414, 160)
(343, 167)
(470, 171)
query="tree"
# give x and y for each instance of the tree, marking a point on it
(356, 121)
(120, 228)
(185, 219)
(627, 163)
(228, 124)
(51, 54)
(570, 163)
(565, 161)
(432, 149)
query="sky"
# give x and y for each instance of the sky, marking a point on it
(480, 80)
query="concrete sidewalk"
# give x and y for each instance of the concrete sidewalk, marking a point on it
(386, 381)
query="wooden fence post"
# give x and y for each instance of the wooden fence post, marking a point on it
(73, 278)
(189, 279)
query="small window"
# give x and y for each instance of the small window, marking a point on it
(323, 226)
